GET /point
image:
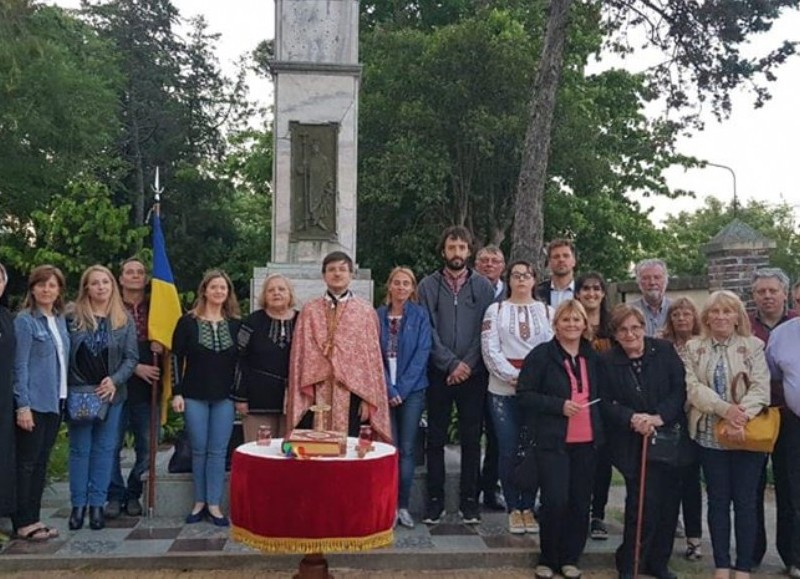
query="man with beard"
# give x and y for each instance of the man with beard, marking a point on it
(651, 275)
(561, 285)
(456, 298)
(770, 289)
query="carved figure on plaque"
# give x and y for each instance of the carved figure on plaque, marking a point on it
(314, 180)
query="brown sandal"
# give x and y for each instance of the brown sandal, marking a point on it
(37, 535)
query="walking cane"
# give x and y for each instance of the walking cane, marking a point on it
(155, 419)
(640, 511)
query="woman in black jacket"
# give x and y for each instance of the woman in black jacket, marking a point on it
(557, 390)
(646, 390)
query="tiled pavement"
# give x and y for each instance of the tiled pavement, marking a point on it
(167, 543)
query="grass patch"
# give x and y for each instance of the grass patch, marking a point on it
(57, 468)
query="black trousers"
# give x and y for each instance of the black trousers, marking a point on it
(490, 472)
(692, 500)
(761, 528)
(661, 504)
(602, 483)
(786, 468)
(33, 452)
(469, 397)
(565, 480)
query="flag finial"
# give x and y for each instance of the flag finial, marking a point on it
(157, 189)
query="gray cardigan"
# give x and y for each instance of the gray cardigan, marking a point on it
(123, 356)
(456, 320)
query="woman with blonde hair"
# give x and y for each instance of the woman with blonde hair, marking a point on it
(264, 342)
(559, 390)
(405, 347)
(206, 356)
(725, 351)
(104, 354)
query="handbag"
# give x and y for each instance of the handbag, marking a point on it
(85, 406)
(760, 432)
(181, 459)
(668, 444)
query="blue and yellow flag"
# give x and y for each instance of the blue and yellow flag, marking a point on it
(165, 308)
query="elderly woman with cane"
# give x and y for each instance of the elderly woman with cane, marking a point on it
(645, 395)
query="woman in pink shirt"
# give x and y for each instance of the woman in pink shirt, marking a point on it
(558, 391)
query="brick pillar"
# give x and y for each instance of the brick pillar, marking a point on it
(733, 255)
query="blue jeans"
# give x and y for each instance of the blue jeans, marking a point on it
(209, 424)
(732, 477)
(506, 419)
(135, 419)
(91, 458)
(405, 425)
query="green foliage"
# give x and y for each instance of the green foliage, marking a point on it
(685, 234)
(57, 98)
(443, 116)
(702, 44)
(77, 228)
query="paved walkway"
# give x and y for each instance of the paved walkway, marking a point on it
(165, 546)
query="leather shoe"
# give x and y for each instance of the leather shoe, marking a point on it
(494, 501)
(113, 509)
(97, 519)
(663, 574)
(76, 518)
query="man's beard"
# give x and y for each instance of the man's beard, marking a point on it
(653, 296)
(456, 264)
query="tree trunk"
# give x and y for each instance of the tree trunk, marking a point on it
(528, 235)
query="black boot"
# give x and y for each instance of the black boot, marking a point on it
(76, 518)
(97, 520)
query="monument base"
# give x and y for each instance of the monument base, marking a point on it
(307, 281)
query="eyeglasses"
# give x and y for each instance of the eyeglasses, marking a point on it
(632, 330)
(493, 261)
(521, 276)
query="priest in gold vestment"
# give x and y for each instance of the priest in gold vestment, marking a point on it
(336, 359)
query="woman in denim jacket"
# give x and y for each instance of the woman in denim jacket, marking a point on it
(405, 345)
(40, 384)
(103, 353)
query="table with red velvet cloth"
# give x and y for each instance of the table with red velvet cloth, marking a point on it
(313, 505)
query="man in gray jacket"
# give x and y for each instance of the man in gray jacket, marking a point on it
(456, 297)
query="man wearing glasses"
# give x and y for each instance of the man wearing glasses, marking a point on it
(490, 263)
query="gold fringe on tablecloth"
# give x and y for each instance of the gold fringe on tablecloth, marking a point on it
(327, 545)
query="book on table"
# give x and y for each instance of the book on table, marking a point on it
(317, 442)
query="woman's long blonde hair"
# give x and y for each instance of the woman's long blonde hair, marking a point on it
(82, 315)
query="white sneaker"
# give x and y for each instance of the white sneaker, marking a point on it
(405, 518)
(515, 524)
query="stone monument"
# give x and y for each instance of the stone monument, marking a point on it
(317, 78)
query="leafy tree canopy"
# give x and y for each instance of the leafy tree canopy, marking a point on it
(685, 234)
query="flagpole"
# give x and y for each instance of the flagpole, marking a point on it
(155, 414)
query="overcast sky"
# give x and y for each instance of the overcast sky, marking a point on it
(759, 145)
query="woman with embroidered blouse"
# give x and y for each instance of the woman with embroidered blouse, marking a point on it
(264, 343)
(206, 356)
(724, 351)
(512, 328)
